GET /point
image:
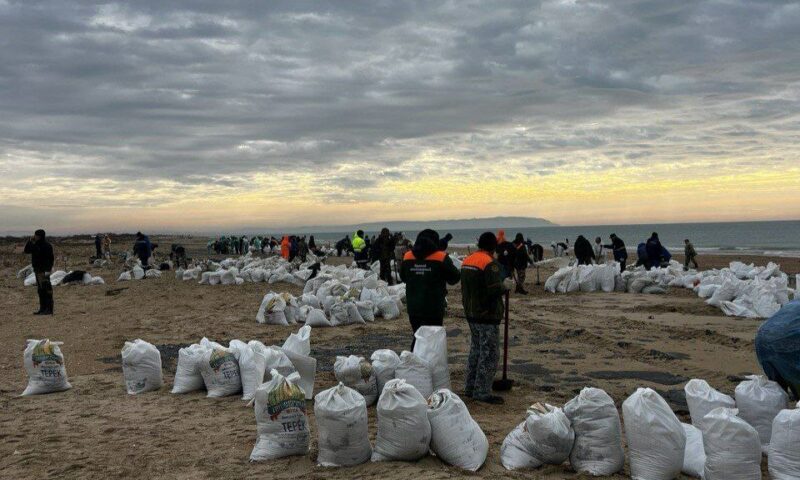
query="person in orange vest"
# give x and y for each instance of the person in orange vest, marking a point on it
(426, 271)
(285, 247)
(482, 289)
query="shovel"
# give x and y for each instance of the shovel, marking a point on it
(505, 383)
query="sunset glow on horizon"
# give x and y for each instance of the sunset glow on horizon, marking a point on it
(183, 118)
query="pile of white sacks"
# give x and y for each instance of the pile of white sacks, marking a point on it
(56, 278)
(336, 296)
(724, 441)
(248, 268)
(135, 271)
(738, 290)
(416, 412)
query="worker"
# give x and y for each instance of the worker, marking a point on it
(384, 251)
(312, 245)
(42, 260)
(505, 254)
(302, 249)
(343, 245)
(427, 271)
(776, 347)
(142, 248)
(690, 255)
(583, 251)
(619, 251)
(257, 245)
(521, 262)
(98, 246)
(285, 247)
(537, 252)
(482, 288)
(654, 251)
(599, 253)
(360, 251)
(107, 246)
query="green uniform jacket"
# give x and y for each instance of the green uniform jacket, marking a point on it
(426, 281)
(482, 289)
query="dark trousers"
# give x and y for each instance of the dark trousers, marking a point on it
(484, 353)
(690, 259)
(386, 271)
(99, 251)
(417, 322)
(45, 290)
(362, 259)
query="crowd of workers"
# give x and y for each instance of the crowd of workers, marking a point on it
(426, 268)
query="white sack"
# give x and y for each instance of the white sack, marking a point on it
(299, 342)
(515, 453)
(271, 310)
(694, 457)
(187, 373)
(357, 373)
(44, 364)
(732, 447)
(384, 363)
(759, 400)
(551, 435)
(456, 437)
(656, 441)
(415, 371)
(598, 433)
(702, 398)
(366, 310)
(252, 365)
(141, 367)
(404, 431)
(431, 346)
(220, 371)
(317, 318)
(280, 408)
(123, 277)
(341, 417)
(784, 447)
(387, 308)
(306, 367)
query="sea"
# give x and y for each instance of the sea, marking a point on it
(775, 238)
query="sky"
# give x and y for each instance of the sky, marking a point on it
(199, 115)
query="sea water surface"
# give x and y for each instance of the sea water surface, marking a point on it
(780, 238)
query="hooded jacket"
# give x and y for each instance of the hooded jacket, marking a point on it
(426, 271)
(41, 252)
(583, 249)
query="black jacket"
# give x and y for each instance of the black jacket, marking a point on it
(41, 252)
(521, 257)
(426, 271)
(506, 255)
(583, 249)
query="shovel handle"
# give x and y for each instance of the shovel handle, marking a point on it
(505, 339)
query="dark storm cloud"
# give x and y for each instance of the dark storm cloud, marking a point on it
(206, 91)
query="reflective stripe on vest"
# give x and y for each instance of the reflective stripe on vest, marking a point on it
(433, 257)
(479, 260)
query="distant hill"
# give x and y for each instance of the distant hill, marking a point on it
(442, 225)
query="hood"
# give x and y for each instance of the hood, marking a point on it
(427, 243)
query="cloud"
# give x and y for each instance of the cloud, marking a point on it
(150, 101)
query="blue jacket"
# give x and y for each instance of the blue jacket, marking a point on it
(143, 248)
(777, 343)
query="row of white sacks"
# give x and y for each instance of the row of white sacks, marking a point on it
(725, 440)
(738, 290)
(720, 444)
(58, 276)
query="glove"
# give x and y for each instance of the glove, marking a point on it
(508, 284)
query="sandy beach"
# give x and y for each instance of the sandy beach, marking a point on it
(559, 344)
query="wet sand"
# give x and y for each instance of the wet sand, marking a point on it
(559, 344)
